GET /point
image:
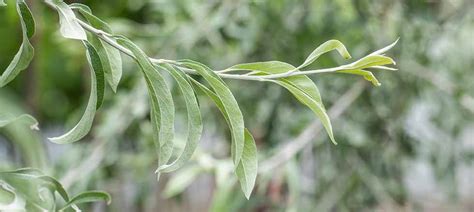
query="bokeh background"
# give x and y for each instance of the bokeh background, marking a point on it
(405, 146)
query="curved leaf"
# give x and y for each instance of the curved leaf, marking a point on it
(317, 108)
(31, 121)
(110, 56)
(194, 120)
(324, 48)
(161, 100)
(276, 67)
(84, 125)
(247, 169)
(230, 105)
(369, 76)
(69, 26)
(300, 86)
(371, 61)
(88, 196)
(25, 54)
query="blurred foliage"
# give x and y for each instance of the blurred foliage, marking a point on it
(407, 145)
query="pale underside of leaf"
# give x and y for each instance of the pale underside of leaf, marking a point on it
(230, 105)
(84, 125)
(110, 56)
(26, 52)
(247, 168)
(194, 120)
(162, 109)
(69, 27)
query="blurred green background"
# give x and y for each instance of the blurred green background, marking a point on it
(405, 146)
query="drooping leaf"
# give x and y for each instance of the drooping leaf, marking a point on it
(369, 76)
(317, 108)
(25, 54)
(161, 101)
(84, 125)
(231, 108)
(88, 196)
(96, 60)
(248, 165)
(69, 26)
(110, 56)
(277, 67)
(194, 120)
(298, 85)
(324, 48)
(247, 169)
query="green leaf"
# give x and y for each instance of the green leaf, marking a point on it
(2, 3)
(69, 26)
(88, 196)
(30, 120)
(385, 49)
(96, 62)
(97, 87)
(194, 120)
(276, 67)
(110, 56)
(299, 85)
(247, 169)
(371, 61)
(316, 107)
(26, 52)
(324, 48)
(366, 74)
(162, 109)
(248, 165)
(230, 106)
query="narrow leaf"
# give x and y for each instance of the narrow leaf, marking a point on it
(299, 85)
(194, 120)
(324, 48)
(89, 196)
(25, 54)
(161, 99)
(110, 56)
(369, 76)
(84, 125)
(276, 67)
(69, 26)
(230, 105)
(99, 72)
(385, 49)
(371, 61)
(247, 169)
(317, 108)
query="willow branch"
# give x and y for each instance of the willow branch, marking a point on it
(106, 37)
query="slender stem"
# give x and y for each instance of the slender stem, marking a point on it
(106, 37)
